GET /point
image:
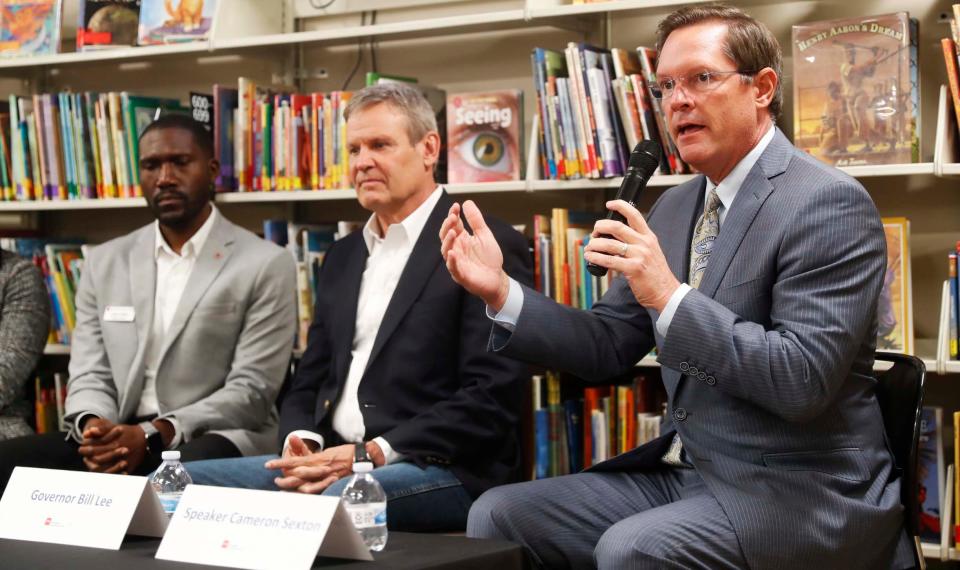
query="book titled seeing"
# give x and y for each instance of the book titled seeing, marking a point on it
(484, 136)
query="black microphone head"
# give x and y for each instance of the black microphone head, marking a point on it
(645, 157)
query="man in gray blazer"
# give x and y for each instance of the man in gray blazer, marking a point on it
(773, 453)
(184, 329)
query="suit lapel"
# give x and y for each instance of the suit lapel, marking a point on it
(419, 268)
(143, 281)
(754, 191)
(210, 261)
(347, 296)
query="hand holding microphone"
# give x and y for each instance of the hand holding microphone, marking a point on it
(643, 163)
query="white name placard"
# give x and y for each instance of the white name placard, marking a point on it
(78, 508)
(240, 528)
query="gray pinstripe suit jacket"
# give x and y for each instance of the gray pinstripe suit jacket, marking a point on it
(768, 365)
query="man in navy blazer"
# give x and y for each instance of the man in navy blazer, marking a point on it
(395, 356)
(773, 453)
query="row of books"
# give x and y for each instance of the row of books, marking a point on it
(560, 270)
(60, 262)
(50, 393)
(266, 140)
(58, 146)
(954, 303)
(594, 105)
(856, 99)
(33, 27)
(951, 57)
(308, 243)
(591, 424)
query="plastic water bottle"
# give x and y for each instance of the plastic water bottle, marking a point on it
(169, 481)
(366, 503)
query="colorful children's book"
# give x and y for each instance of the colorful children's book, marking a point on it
(855, 91)
(173, 21)
(29, 27)
(931, 476)
(895, 306)
(107, 24)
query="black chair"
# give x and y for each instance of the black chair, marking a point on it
(900, 392)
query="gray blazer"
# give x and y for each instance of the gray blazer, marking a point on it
(768, 366)
(226, 352)
(24, 325)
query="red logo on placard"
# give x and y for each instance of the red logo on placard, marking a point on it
(48, 521)
(226, 544)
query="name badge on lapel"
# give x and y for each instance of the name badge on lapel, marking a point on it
(118, 314)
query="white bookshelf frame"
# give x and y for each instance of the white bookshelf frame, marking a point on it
(946, 149)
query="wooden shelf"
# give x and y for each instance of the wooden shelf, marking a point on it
(84, 204)
(466, 188)
(933, 551)
(486, 187)
(889, 169)
(568, 10)
(603, 183)
(285, 196)
(648, 362)
(106, 55)
(450, 25)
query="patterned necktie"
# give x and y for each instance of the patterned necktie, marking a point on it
(703, 237)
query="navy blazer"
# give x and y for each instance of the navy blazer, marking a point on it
(431, 389)
(767, 366)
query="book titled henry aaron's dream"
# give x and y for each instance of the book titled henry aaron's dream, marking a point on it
(856, 91)
(484, 136)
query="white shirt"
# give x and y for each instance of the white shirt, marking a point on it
(388, 255)
(173, 272)
(726, 191)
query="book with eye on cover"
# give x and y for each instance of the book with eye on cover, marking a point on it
(484, 136)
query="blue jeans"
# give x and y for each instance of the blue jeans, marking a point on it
(418, 500)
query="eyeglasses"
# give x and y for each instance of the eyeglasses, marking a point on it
(694, 83)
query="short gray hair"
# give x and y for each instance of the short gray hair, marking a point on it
(403, 97)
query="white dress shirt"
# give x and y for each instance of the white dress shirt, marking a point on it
(388, 255)
(173, 272)
(726, 191)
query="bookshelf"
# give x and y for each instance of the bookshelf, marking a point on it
(434, 42)
(479, 45)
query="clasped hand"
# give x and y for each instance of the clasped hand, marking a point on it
(306, 471)
(112, 448)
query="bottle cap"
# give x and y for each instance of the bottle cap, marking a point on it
(170, 455)
(362, 466)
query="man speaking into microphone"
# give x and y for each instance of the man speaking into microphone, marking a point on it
(757, 281)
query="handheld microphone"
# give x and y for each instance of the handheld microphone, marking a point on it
(644, 161)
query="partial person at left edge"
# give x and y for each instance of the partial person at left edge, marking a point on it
(184, 329)
(24, 324)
